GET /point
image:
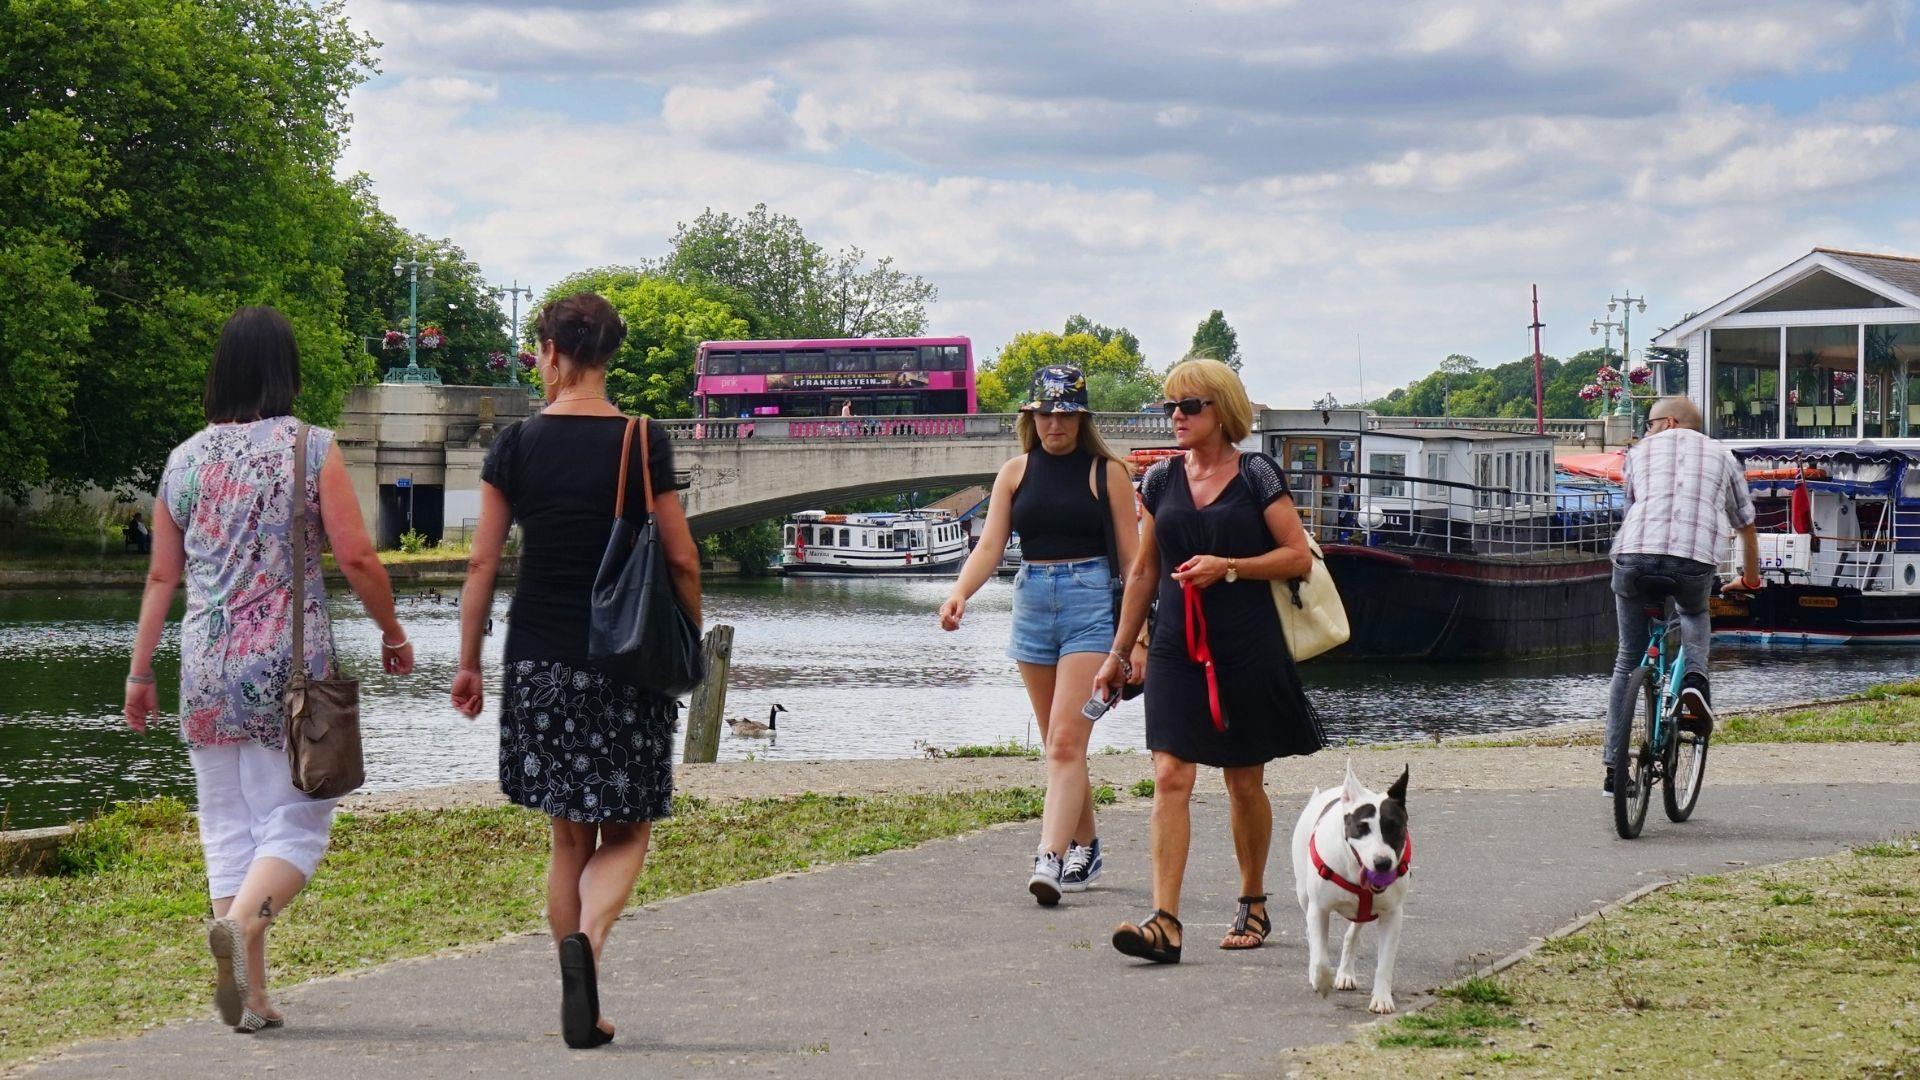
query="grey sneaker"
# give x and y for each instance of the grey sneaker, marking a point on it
(1082, 866)
(1045, 883)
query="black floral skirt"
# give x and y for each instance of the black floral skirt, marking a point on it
(578, 745)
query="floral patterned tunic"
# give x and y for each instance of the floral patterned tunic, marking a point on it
(230, 489)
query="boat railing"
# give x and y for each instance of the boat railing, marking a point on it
(905, 428)
(1451, 516)
(1862, 562)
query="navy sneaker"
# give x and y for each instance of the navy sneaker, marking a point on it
(1606, 786)
(1696, 705)
(1082, 867)
(1045, 883)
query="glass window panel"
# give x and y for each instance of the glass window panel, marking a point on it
(1823, 381)
(1891, 397)
(723, 363)
(1436, 470)
(1394, 464)
(1745, 398)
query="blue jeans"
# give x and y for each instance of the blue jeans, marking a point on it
(1696, 626)
(1061, 608)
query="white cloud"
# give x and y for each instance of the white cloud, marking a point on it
(741, 118)
(1319, 174)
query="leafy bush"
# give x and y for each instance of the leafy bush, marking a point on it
(413, 542)
(115, 838)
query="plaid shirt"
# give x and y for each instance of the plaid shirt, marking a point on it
(1682, 491)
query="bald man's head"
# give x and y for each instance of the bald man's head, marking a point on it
(1679, 409)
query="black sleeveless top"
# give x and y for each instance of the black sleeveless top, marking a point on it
(1054, 510)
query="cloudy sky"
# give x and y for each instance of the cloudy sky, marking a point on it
(1363, 188)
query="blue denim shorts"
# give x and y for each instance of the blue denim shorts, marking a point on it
(1061, 608)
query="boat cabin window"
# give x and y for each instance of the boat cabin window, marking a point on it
(845, 540)
(1395, 464)
(1436, 470)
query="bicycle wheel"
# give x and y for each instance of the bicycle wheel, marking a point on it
(1686, 767)
(1633, 758)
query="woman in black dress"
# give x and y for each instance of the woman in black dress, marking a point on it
(1220, 526)
(588, 750)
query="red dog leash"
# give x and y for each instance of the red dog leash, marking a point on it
(1200, 652)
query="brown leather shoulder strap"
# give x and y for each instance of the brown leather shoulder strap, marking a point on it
(646, 466)
(626, 449)
(297, 534)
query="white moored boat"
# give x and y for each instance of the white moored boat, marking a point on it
(925, 542)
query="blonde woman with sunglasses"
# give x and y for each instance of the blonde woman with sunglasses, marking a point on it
(1222, 691)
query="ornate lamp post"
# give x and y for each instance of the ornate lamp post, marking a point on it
(414, 269)
(515, 290)
(1606, 345)
(1627, 304)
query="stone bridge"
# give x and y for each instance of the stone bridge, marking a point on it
(738, 472)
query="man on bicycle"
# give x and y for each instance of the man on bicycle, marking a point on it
(1682, 489)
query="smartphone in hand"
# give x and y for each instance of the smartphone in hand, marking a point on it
(1097, 706)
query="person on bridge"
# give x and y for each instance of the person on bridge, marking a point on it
(223, 520)
(588, 750)
(1221, 687)
(1063, 601)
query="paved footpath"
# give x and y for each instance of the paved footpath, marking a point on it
(933, 962)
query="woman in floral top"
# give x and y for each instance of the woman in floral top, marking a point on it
(222, 521)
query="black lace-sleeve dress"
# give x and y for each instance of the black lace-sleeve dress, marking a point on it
(1265, 708)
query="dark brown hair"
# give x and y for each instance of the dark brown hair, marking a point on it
(583, 327)
(255, 372)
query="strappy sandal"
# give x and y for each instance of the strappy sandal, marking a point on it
(1247, 924)
(579, 995)
(1149, 940)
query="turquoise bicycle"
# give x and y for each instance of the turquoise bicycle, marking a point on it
(1657, 749)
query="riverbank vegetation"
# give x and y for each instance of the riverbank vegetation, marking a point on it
(1888, 713)
(1811, 968)
(111, 941)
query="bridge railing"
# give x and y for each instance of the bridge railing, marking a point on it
(996, 426)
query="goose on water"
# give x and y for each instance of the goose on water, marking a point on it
(754, 728)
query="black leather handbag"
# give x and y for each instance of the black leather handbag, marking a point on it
(637, 630)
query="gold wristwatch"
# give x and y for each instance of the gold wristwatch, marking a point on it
(1233, 572)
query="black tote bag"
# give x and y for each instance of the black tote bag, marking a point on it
(637, 630)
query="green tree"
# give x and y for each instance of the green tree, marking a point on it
(1080, 324)
(456, 299)
(202, 139)
(652, 373)
(787, 286)
(1215, 338)
(1117, 372)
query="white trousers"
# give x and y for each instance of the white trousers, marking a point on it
(249, 809)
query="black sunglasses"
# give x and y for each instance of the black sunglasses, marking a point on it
(1189, 405)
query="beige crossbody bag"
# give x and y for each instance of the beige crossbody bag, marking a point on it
(323, 715)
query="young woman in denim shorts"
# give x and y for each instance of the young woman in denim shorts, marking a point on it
(1062, 601)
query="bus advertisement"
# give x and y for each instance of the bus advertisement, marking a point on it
(834, 377)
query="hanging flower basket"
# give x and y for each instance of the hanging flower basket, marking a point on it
(431, 337)
(1590, 392)
(1606, 375)
(527, 359)
(393, 339)
(1843, 378)
(1639, 376)
(497, 361)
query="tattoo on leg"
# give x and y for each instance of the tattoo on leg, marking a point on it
(266, 908)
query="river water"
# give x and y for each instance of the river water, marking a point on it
(861, 666)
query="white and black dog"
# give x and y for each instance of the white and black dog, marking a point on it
(1351, 857)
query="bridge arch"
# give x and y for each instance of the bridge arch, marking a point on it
(740, 472)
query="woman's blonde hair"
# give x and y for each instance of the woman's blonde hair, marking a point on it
(1205, 377)
(1089, 439)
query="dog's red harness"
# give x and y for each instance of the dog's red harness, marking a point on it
(1366, 894)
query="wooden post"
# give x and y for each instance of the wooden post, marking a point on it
(709, 702)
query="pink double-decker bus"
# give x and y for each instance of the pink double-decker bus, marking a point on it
(834, 377)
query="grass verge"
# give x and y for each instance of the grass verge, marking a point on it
(112, 942)
(1010, 748)
(1807, 969)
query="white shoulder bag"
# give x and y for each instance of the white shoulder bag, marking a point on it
(1311, 614)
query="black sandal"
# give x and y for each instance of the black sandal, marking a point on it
(579, 995)
(1246, 923)
(1149, 940)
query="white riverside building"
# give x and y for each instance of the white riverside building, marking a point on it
(1825, 349)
